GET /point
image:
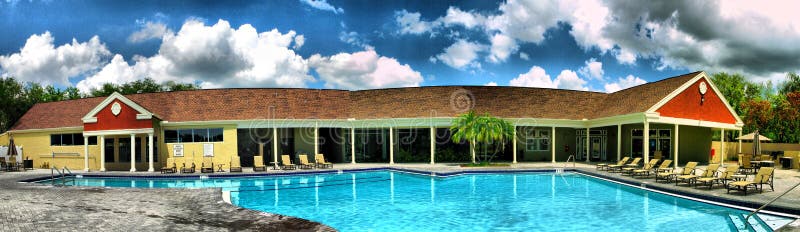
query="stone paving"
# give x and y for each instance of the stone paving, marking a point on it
(35, 207)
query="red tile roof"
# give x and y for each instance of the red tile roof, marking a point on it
(435, 101)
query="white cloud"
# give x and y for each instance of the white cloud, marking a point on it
(116, 72)
(363, 70)
(568, 79)
(456, 16)
(150, 30)
(593, 69)
(299, 40)
(42, 62)
(491, 83)
(535, 77)
(353, 38)
(623, 83)
(461, 54)
(410, 23)
(524, 56)
(217, 56)
(323, 5)
(502, 48)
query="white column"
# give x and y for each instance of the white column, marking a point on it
(740, 141)
(553, 145)
(514, 146)
(316, 139)
(676, 148)
(587, 144)
(85, 153)
(646, 142)
(275, 147)
(722, 147)
(150, 152)
(102, 142)
(619, 142)
(433, 145)
(353, 145)
(391, 145)
(133, 152)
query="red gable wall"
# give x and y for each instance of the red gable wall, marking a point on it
(125, 120)
(687, 105)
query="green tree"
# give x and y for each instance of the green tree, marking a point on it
(486, 131)
(792, 84)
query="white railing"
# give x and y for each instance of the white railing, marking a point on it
(571, 157)
(770, 202)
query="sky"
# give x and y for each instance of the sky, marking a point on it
(591, 45)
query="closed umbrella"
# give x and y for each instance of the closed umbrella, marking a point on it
(12, 153)
(756, 144)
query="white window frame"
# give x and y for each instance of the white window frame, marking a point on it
(537, 140)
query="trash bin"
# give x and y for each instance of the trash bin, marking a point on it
(786, 162)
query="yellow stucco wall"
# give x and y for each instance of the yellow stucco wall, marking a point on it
(36, 146)
(223, 151)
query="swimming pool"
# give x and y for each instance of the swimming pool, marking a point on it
(398, 201)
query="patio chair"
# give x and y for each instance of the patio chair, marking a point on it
(722, 177)
(604, 166)
(691, 179)
(188, 169)
(258, 163)
(646, 171)
(3, 163)
(207, 169)
(746, 167)
(304, 164)
(235, 164)
(618, 167)
(765, 175)
(169, 166)
(649, 165)
(319, 159)
(286, 163)
(669, 176)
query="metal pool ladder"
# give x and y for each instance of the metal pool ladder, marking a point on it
(571, 157)
(747, 218)
(62, 174)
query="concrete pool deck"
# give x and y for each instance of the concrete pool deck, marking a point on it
(34, 207)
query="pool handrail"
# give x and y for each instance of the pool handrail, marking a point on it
(769, 202)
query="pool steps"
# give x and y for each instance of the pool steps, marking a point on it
(754, 224)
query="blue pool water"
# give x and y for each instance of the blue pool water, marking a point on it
(396, 201)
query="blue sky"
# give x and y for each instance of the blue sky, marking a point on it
(586, 45)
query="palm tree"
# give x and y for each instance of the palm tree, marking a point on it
(484, 129)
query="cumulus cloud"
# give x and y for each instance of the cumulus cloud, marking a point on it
(456, 16)
(461, 54)
(537, 77)
(593, 69)
(623, 83)
(150, 30)
(410, 23)
(363, 70)
(42, 62)
(216, 56)
(502, 47)
(323, 5)
(491, 83)
(524, 56)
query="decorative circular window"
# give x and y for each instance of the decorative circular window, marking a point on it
(116, 108)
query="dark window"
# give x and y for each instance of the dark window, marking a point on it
(200, 135)
(171, 136)
(215, 135)
(138, 148)
(77, 139)
(185, 136)
(109, 149)
(124, 146)
(55, 140)
(93, 140)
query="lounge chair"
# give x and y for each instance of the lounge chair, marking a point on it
(649, 165)
(235, 164)
(691, 179)
(670, 176)
(746, 166)
(286, 163)
(207, 169)
(646, 171)
(169, 166)
(320, 161)
(258, 163)
(618, 167)
(722, 177)
(764, 176)
(187, 169)
(3, 163)
(304, 164)
(605, 165)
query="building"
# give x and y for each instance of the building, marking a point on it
(677, 116)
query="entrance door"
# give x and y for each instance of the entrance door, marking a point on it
(597, 145)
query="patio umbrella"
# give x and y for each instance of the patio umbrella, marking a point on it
(12, 152)
(752, 136)
(756, 144)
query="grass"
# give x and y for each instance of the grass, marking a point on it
(484, 164)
